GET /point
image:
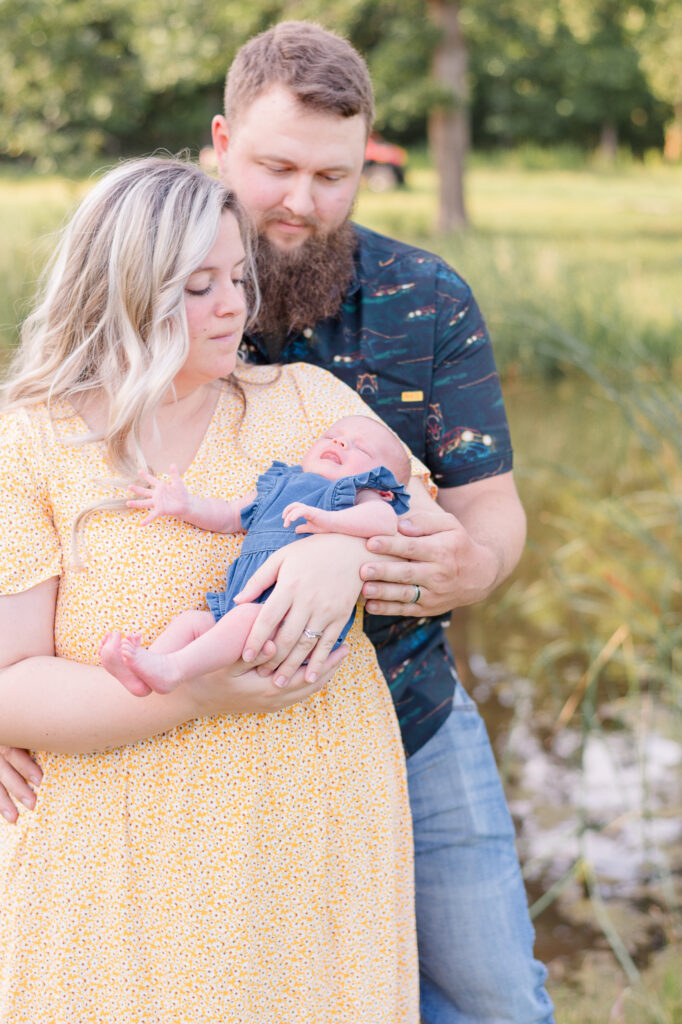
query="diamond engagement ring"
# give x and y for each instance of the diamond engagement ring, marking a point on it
(311, 634)
(417, 593)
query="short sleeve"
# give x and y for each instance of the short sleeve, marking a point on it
(379, 479)
(326, 399)
(264, 486)
(30, 551)
(469, 436)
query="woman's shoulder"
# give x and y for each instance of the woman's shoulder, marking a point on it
(21, 423)
(35, 424)
(286, 374)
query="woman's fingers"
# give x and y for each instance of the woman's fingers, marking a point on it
(265, 576)
(291, 645)
(300, 688)
(16, 770)
(321, 652)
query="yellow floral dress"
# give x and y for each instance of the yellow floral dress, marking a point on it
(246, 869)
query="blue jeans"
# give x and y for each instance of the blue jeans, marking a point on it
(475, 936)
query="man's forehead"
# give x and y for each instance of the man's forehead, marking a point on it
(276, 114)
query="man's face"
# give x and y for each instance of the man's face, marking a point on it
(296, 170)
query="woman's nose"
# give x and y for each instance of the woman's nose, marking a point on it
(231, 301)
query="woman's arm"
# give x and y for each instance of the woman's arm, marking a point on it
(51, 703)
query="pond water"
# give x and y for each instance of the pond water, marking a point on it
(597, 802)
(598, 818)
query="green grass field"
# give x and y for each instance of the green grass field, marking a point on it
(551, 254)
(585, 253)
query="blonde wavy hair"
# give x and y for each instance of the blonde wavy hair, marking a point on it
(110, 315)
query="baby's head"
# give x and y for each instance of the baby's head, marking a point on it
(356, 444)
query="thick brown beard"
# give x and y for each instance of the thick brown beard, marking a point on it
(301, 287)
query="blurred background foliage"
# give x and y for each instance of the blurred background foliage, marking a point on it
(82, 80)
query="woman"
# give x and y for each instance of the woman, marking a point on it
(182, 862)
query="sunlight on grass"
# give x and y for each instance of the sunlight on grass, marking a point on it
(597, 252)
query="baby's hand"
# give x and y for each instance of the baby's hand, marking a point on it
(161, 497)
(314, 517)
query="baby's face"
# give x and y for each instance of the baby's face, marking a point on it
(352, 445)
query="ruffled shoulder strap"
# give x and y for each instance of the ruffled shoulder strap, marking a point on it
(377, 479)
(265, 485)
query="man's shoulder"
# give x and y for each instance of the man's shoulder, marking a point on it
(380, 255)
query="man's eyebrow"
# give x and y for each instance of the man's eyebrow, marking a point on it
(279, 159)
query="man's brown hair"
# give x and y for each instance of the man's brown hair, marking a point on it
(321, 69)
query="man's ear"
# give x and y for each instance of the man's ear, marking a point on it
(221, 139)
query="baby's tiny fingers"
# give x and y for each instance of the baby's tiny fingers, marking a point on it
(149, 518)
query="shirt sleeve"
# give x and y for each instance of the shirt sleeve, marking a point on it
(30, 551)
(468, 437)
(326, 399)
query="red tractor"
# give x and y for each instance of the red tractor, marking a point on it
(385, 164)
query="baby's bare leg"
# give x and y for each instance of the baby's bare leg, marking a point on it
(111, 657)
(180, 631)
(212, 648)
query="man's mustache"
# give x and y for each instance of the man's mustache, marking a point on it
(311, 221)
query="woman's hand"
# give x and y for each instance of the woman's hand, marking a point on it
(237, 690)
(317, 584)
(17, 769)
(244, 690)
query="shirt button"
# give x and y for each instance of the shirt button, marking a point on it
(307, 332)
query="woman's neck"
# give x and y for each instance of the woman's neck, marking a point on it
(173, 435)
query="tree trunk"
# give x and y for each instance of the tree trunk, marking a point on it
(449, 125)
(672, 149)
(608, 142)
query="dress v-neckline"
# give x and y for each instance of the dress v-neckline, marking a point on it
(73, 414)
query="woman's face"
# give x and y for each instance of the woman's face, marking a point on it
(216, 310)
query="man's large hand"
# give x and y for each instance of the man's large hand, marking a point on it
(434, 552)
(456, 553)
(16, 771)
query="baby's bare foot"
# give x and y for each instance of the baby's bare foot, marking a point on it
(111, 656)
(158, 671)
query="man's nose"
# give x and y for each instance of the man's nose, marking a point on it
(299, 199)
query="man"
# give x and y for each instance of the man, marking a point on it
(402, 328)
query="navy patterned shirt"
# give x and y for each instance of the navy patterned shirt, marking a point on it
(411, 340)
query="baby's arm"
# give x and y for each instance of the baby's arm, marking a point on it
(171, 498)
(371, 516)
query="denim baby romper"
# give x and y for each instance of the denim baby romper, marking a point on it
(277, 488)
